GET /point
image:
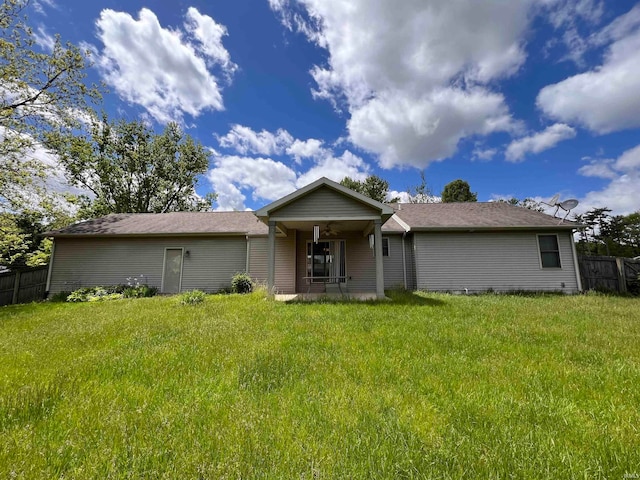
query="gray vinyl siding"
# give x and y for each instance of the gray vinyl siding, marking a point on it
(498, 261)
(360, 263)
(411, 264)
(393, 268)
(211, 263)
(324, 202)
(285, 275)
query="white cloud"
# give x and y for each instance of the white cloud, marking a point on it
(621, 194)
(267, 178)
(300, 149)
(233, 176)
(629, 160)
(209, 35)
(571, 19)
(244, 140)
(599, 169)
(335, 168)
(414, 75)
(404, 130)
(606, 98)
(164, 70)
(484, 154)
(539, 142)
(44, 39)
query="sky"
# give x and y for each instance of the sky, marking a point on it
(520, 98)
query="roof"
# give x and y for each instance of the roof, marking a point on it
(173, 223)
(475, 216)
(407, 217)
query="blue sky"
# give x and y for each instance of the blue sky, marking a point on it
(524, 98)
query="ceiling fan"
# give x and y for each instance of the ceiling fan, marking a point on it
(328, 230)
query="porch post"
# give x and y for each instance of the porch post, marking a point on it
(379, 260)
(271, 258)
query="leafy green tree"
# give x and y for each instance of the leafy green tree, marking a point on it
(129, 168)
(458, 191)
(41, 91)
(21, 235)
(605, 234)
(373, 187)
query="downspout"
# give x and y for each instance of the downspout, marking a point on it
(246, 269)
(404, 261)
(53, 251)
(575, 261)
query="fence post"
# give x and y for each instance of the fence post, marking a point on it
(16, 288)
(622, 277)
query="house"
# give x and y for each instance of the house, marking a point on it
(323, 237)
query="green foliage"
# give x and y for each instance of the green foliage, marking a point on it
(192, 297)
(140, 291)
(21, 235)
(111, 292)
(95, 294)
(59, 297)
(605, 234)
(241, 283)
(41, 91)
(373, 187)
(458, 191)
(131, 169)
(427, 385)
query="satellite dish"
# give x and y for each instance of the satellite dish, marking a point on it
(554, 200)
(569, 204)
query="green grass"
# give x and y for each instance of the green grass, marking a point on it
(425, 386)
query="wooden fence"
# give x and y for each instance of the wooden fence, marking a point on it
(22, 286)
(610, 274)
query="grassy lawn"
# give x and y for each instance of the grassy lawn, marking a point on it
(426, 386)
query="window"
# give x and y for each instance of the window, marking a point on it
(326, 260)
(549, 251)
(385, 247)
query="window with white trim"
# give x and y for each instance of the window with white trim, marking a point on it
(549, 251)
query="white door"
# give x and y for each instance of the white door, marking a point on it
(172, 277)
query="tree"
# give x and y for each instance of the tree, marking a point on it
(373, 187)
(421, 193)
(528, 203)
(605, 234)
(41, 91)
(129, 168)
(458, 191)
(21, 235)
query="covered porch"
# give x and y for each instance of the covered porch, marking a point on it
(325, 239)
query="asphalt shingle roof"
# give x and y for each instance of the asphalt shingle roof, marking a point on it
(425, 216)
(472, 215)
(176, 223)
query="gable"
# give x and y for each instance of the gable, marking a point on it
(324, 202)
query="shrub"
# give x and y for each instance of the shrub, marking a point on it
(96, 294)
(59, 297)
(241, 283)
(140, 291)
(192, 297)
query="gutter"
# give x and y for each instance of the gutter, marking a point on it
(53, 252)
